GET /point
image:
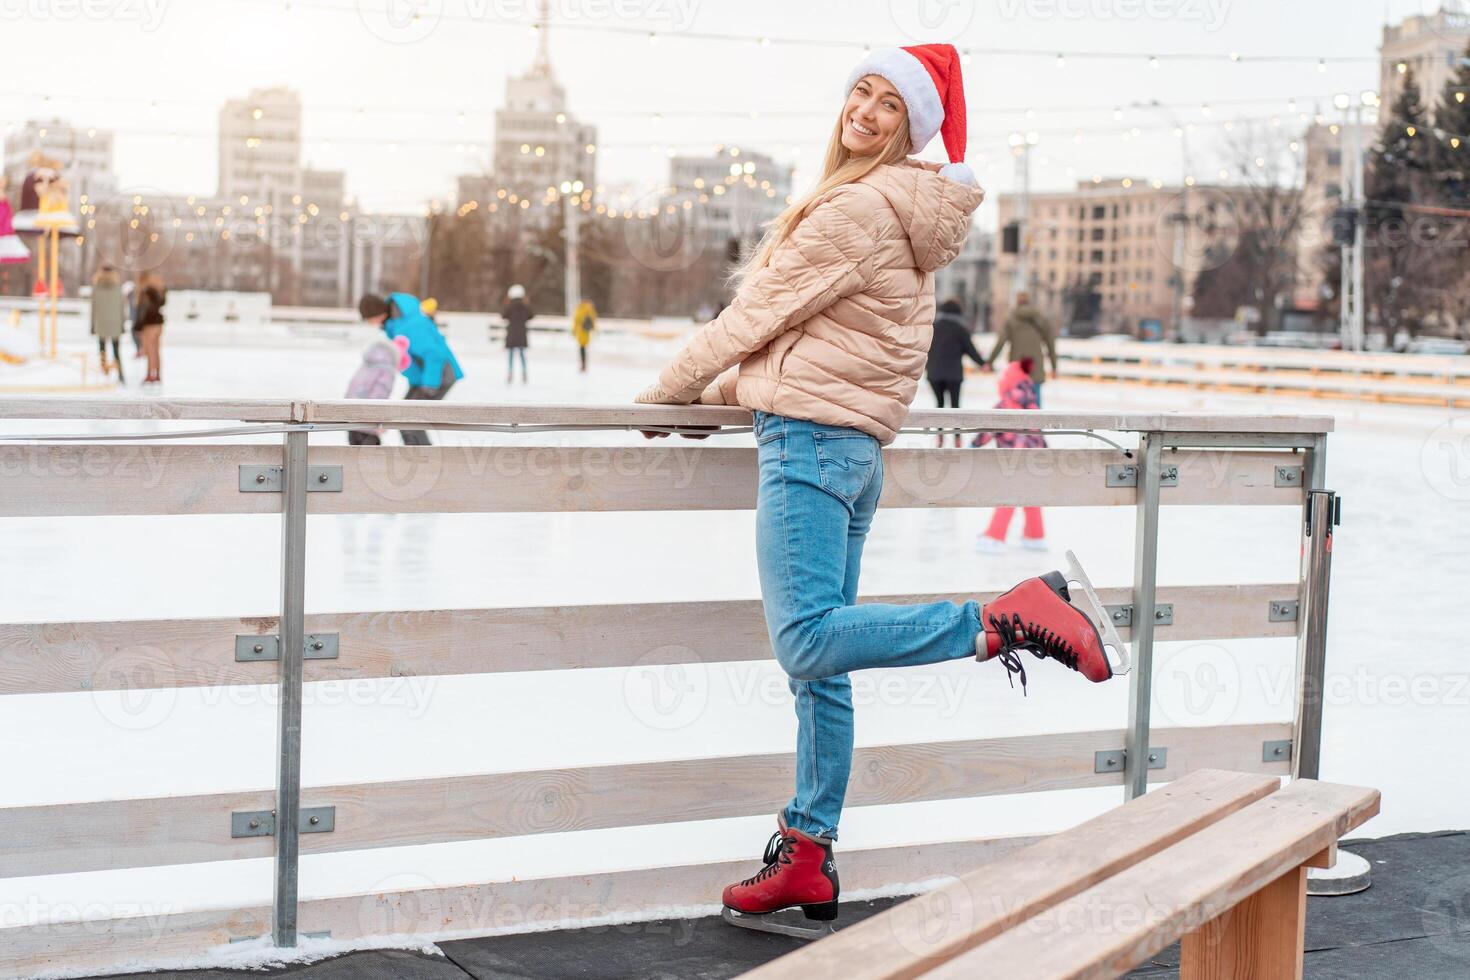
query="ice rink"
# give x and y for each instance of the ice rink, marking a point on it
(1398, 693)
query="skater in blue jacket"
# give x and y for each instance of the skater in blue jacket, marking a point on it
(432, 367)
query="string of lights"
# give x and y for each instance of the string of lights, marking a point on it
(462, 115)
(968, 51)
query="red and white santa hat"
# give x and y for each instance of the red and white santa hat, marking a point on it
(928, 80)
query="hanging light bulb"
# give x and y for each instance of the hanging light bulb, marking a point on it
(1061, 61)
(1153, 61)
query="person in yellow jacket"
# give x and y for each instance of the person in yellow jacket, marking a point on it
(584, 321)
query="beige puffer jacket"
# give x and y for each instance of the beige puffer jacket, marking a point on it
(836, 329)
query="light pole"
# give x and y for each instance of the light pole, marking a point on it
(1021, 144)
(1351, 312)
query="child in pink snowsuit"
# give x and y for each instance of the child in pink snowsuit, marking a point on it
(381, 363)
(1017, 390)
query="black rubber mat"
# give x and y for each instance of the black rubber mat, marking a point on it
(1413, 924)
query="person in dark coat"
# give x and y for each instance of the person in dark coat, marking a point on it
(151, 298)
(517, 314)
(1029, 335)
(947, 353)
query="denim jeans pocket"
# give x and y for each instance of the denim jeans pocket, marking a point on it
(846, 462)
(767, 428)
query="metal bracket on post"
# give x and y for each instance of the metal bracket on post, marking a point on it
(262, 823)
(292, 649)
(1126, 475)
(1276, 750)
(254, 648)
(1282, 611)
(1123, 614)
(1288, 476)
(1116, 760)
(1141, 636)
(256, 478)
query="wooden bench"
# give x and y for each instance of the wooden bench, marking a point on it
(1217, 859)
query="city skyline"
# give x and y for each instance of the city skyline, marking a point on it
(403, 144)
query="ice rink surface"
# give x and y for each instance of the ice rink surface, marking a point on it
(1398, 693)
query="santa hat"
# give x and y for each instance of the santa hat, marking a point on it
(928, 80)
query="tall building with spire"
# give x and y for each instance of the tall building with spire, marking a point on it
(538, 143)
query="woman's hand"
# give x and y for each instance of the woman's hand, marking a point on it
(655, 395)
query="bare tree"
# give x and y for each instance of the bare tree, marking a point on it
(1266, 165)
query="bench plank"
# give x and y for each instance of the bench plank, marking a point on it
(1123, 920)
(941, 924)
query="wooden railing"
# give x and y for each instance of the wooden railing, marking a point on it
(1376, 377)
(1167, 459)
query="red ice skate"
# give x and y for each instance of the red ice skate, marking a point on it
(799, 871)
(1038, 615)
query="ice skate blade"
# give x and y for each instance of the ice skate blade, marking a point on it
(769, 923)
(1098, 613)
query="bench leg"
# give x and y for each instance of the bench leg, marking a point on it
(1262, 938)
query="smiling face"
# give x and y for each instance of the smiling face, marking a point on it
(873, 113)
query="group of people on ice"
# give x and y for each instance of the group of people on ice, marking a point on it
(414, 345)
(119, 307)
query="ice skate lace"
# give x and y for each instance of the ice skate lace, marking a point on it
(1040, 641)
(778, 852)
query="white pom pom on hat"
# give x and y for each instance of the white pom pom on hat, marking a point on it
(929, 81)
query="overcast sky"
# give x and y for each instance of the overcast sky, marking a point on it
(152, 68)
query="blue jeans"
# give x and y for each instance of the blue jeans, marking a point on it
(510, 361)
(819, 487)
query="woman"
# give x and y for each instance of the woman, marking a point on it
(150, 300)
(517, 314)
(108, 314)
(825, 342)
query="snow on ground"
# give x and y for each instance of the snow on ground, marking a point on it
(1397, 695)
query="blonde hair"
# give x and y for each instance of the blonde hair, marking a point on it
(838, 168)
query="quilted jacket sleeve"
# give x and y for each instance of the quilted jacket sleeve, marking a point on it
(828, 256)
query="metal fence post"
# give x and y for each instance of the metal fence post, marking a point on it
(1145, 568)
(1311, 649)
(288, 713)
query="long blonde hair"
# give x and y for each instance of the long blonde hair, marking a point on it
(840, 167)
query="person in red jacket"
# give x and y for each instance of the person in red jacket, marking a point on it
(1017, 391)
